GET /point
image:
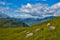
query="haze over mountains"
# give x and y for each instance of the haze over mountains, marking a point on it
(3, 15)
(30, 13)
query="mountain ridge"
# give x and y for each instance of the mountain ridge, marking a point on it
(42, 34)
(4, 22)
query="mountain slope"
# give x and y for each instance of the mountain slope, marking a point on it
(4, 22)
(42, 34)
(33, 21)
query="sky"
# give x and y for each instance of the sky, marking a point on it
(23, 7)
(19, 3)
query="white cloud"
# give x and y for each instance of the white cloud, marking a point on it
(30, 8)
(35, 10)
(1, 10)
(55, 9)
(28, 5)
(40, 9)
(5, 9)
(55, 6)
(3, 3)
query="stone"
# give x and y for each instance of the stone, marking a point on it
(37, 29)
(48, 24)
(29, 35)
(52, 28)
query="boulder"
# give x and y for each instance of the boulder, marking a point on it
(52, 28)
(29, 35)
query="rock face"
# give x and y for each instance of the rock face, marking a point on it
(29, 35)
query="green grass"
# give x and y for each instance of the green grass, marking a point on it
(20, 32)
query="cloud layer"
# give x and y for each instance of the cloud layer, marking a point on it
(40, 10)
(33, 10)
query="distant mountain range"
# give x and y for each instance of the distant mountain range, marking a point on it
(32, 21)
(4, 22)
(39, 31)
(33, 18)
(20, 21)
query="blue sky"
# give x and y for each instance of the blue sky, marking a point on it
(18, 3)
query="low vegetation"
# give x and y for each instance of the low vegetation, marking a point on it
(42, 33)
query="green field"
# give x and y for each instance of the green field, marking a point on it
(19, 33)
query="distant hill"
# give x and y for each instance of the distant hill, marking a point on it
(42, 34)
(4, 22)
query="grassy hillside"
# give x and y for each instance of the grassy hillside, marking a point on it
(42, 34)
(11, 23)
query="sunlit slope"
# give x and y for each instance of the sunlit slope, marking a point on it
(43, 34)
